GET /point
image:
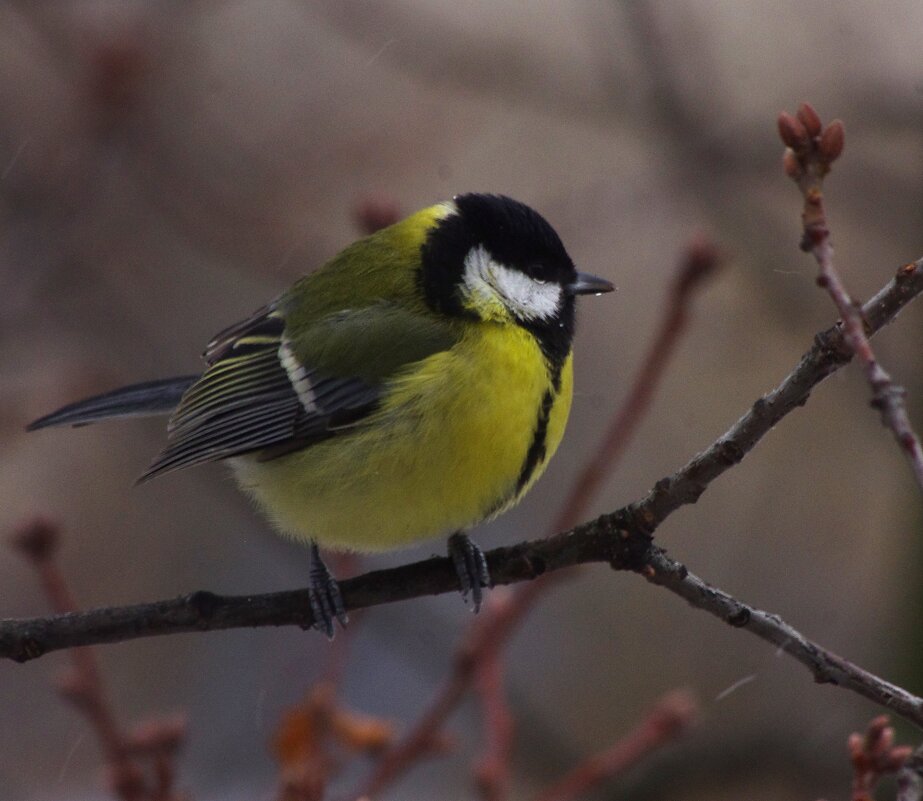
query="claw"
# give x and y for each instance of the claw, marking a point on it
(470, 567)
(324, 595)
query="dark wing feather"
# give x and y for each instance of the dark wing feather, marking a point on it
(246, 402)
(264, 324)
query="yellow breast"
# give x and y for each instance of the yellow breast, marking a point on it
(459, 438)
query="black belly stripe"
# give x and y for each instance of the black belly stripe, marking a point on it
(538, 447)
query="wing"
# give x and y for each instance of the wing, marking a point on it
(272, 390)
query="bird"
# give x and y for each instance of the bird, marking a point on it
(412, 387)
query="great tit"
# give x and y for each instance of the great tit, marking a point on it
(415, 385)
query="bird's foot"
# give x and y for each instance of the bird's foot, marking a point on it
(470, 567)
(324, 594)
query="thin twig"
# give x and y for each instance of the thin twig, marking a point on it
(160, 741)
(874, 755)
(826, 667)
(812, 149)
(828, 354)
(38, 539)
(484, 637)
(670, 717)
(492, 768)
(481, 643)
(910, 778)
(374, 211)
(699, 262)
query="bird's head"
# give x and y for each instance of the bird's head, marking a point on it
(495, 259)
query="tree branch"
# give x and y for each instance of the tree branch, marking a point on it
(827, 667)
(622, 539)
(828, 354)
(492, 768)
(811, 151)
(670, 718)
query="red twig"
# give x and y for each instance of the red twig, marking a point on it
(38, 539)
(811, 150)
(701, 259)
(160, 740)
(483, 639)
(492, 769)
(874, 755)
(671, 717)
(372, 212)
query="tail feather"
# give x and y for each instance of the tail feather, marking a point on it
(137, 400)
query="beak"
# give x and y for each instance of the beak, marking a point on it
(587, 284)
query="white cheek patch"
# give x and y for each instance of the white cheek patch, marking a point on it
(526, 297)
(488, 282)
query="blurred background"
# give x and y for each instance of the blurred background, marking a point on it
(166, 168)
